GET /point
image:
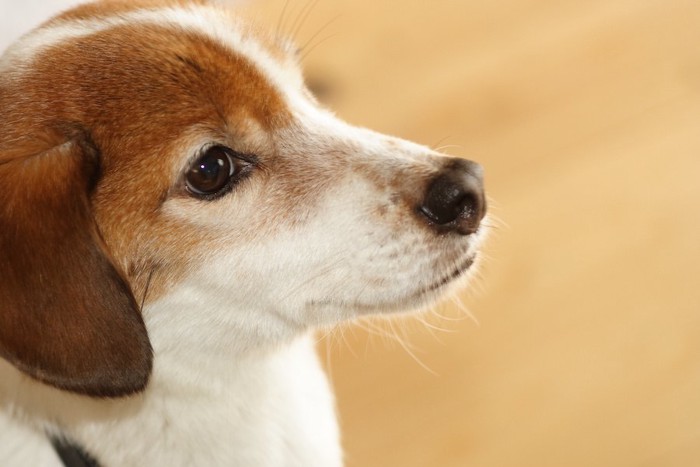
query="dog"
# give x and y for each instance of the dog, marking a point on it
(178, 213)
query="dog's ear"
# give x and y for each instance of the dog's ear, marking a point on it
(67, 316)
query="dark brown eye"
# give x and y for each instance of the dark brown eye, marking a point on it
(212, 172)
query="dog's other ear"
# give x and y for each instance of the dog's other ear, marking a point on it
(67, 316)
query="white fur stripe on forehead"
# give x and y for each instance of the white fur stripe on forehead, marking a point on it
(208, 21)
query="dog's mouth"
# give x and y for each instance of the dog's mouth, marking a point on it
(421, 298)
(458, 271)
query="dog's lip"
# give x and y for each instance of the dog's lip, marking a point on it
(457, 272)
(422, 296)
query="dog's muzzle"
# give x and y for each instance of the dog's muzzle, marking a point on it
(454, 201)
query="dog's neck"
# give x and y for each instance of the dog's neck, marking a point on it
(213, 406)
(272, 410)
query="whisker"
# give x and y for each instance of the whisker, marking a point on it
(448, 146)
(329, 353)
(441, 140)
(301, 18)
(343, 329)
(367, 325)
(325, 333)
(495, 222)
(431, 329)
(148, 286)
(457, 300)
(281, 20)
(327, 336)
(341, 258)
(407, 348)
(440, 317)
(306, 49)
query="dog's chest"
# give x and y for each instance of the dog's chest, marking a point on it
(275, 411)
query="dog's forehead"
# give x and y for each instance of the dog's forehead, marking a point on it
(173, 63)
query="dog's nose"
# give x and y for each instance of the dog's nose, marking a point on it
(455, 198)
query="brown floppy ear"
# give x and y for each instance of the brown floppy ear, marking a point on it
(67, 316)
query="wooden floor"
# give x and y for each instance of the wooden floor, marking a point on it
(586, 115)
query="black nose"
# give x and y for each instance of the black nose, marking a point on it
(455, 198)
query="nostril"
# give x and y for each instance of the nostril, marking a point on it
(455, 199)
(444, 201)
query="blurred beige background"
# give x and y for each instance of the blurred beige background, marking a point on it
(586, 116)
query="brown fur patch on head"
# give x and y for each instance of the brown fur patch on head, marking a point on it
(139, 90)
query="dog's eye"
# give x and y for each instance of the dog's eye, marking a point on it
(212, 172)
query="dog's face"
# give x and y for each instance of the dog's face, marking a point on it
(170, 156)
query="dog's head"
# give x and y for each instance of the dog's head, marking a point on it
(167, 156)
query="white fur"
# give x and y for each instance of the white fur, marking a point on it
(236, 381)
(203, 20)
(271, 408)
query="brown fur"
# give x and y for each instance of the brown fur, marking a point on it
(68, 316)
(131, 99)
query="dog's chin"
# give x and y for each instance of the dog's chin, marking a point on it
(424, 297)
